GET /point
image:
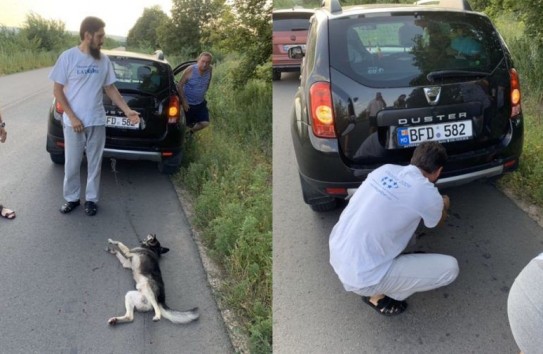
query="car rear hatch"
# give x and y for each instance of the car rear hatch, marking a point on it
(289, 30)
(402, 78)
(148, 88)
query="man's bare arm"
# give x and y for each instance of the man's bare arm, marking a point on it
(58, 92)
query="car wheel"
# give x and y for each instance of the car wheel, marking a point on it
(276, 75)
(57, 158)
(170, 165)
(325, 205)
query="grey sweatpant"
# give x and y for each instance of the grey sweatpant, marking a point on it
(91, 141)
(411, 273)
(525, 307)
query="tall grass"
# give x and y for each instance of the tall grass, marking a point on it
(228, 170)
(527, 182)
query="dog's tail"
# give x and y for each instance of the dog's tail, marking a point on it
(179, 317)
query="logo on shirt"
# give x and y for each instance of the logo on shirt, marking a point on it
(87, 70)
(389, 182)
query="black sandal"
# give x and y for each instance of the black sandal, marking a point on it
(91, 208)
(387, 306)
(69, 206)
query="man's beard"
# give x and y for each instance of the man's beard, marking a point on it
(95, 52)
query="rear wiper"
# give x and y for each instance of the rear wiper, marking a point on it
(448, 74)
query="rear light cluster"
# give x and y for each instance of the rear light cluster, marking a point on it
(515, 93)
(173, 109)
(322, 113)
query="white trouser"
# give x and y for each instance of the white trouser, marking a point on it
(411, 273)
(91, 141)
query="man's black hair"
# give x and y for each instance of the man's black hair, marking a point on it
(92, 25)
(429, 156)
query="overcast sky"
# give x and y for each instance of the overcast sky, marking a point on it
(119, 15)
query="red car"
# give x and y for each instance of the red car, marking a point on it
(289, 30)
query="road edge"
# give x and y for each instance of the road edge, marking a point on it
(239, 339)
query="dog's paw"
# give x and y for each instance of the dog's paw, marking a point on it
(156, 318)
(110, 241)
(112, 321)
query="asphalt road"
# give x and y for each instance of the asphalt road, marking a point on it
(489, 235)
(58, 287)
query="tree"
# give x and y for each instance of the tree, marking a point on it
(183, 34)
(246, 28)
(144, 33)
(49, 35)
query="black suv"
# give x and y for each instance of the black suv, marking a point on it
(147, 84)
(379, 79)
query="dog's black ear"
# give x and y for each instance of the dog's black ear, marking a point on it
(164, 250)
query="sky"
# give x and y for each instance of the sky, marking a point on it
(119, 15)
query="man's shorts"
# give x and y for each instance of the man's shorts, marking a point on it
(197, 113)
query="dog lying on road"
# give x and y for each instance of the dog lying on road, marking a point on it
(150, 292)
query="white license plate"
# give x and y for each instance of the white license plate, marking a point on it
(120, 122)
(286, 47)
(443, 132)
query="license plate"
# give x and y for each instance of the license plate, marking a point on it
(443, 132)
(286, 47)
(120, 122)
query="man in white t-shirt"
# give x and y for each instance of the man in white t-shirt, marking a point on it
(80, 74)
(379, 223)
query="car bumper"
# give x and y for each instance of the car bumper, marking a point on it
(322, 168)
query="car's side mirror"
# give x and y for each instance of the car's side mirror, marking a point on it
(296, 52)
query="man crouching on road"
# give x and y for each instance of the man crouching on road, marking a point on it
(378, 224)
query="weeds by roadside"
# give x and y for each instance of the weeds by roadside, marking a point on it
(228, 171)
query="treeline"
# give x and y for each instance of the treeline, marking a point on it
(241, 26)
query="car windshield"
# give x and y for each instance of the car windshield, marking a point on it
(140, 75)
(396, 50)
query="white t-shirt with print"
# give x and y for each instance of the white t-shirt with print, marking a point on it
(83, 78)
(379, 222)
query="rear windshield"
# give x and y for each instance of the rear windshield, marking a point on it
(291, 21)
(399, 50)
(140, 75)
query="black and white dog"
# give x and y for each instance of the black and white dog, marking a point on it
(150, 292)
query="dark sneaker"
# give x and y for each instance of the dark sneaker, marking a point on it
(91, 208)
(69, 206)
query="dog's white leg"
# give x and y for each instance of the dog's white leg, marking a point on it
(130, 300)
(150, 296)
(124, 261)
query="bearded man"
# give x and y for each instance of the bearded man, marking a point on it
(80, 76)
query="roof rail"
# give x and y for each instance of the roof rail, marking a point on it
(455, 4)
(331, 5)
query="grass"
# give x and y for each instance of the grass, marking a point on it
(14, 62)
(227, 169)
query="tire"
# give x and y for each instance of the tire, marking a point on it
(276, 75)
(57, 158)
(325, 206)
(170, 165)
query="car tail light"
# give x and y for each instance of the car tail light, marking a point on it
(515, 93)
(58, 107)
(173, 109)
(322, 114)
